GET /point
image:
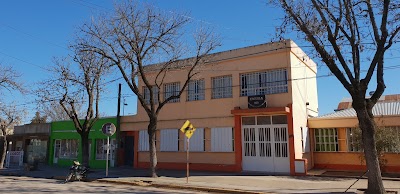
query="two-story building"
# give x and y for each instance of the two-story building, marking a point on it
(250, 108)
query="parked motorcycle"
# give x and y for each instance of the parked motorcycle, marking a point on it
(77, 172)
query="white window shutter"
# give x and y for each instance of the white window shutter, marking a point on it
(196, 142)
(221, 139)
(169, 140)
(143, 140)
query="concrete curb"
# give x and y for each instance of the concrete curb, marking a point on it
(144, 183)
(355, 177)
(177, 186)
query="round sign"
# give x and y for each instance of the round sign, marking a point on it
(108, 129)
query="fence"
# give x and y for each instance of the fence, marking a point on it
(14, 159)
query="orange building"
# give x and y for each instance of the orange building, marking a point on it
(332, 137)
(231, 134)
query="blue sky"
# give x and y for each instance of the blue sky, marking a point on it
(33, 32)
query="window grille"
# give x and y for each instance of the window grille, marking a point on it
(266, 82)
(172, 89)
(195, 90)
(146, 94)
(222, 87)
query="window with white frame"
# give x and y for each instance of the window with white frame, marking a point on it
(222, 139)
(172, 89)
(195, 90)
(101, 149)
(326, 140)
(266, 82)
(69, 148)
(143, 140)
(146, 94)
(221, 87)
(169, 140)
(196, 142)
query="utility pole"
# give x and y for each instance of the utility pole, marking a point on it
(118, 135)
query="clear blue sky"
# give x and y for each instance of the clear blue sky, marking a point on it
(33, 32)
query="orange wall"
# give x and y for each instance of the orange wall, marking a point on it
(194, 157)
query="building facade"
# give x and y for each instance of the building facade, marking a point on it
(65, 144)
(333, 136)
(231, 134)
(33, 140)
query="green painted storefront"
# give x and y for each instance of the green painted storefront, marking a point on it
(68, 144)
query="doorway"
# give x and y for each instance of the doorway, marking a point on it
(129, 150)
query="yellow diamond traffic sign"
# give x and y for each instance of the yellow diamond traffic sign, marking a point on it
(188, 129)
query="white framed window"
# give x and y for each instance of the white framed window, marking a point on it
(169, 140)
(326, 140)
(101, 149)
(221, 87)
(195, 90)
(222, 139)
(69, 148)
(146, 94)
(172, 89)
(143, 140)
(196, 142)
(265, 82)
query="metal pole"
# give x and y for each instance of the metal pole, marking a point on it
(118, 135)
(187, 161)
(108, 151)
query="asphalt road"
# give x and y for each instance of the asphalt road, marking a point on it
(15, 184)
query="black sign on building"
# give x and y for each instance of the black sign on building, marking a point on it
(257, 101)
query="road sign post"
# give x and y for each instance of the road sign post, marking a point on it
(188, 129)
(108, 129)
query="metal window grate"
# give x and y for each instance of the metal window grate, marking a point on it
(222, 87)
(172, 89)
(195, 90)
(146, 94)
(266, 82)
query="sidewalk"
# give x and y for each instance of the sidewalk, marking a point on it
(318, 182)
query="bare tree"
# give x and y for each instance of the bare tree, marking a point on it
(8, 114)
(348, 35)
(138, 35)
(9, 79)
(9, 117)
(76, 85)
(54, 111)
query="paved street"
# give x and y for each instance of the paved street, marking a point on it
(15, 184)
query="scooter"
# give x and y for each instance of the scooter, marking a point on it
(77, 172)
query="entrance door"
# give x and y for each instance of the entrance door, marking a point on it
(265, 148)
(129, 150)
(57, 147)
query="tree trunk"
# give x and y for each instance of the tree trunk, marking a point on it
(85, 148)
(367, 125)
(4, 152)
(152, 144)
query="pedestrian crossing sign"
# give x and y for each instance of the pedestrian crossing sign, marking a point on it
(188, 129)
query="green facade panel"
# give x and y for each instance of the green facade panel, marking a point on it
(65, 130)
